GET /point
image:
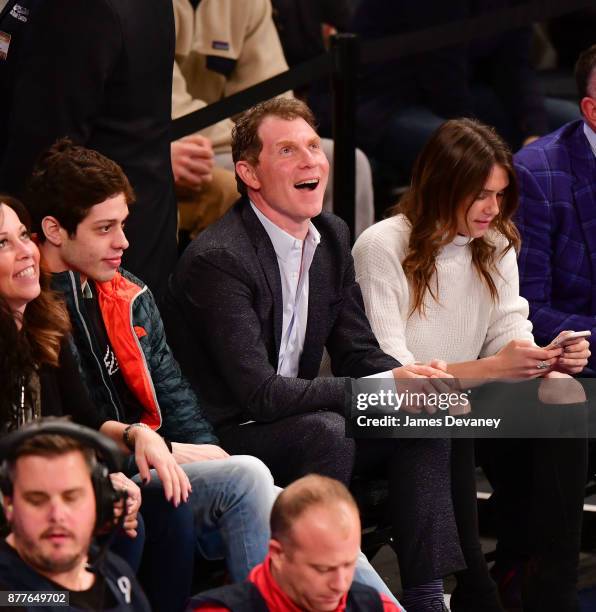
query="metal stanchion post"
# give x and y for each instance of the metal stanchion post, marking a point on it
(345, 49)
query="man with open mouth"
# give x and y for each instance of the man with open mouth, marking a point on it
(252, 305)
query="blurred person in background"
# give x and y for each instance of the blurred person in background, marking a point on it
(403, 101)
(223, 47)
(99, 72)
(204, 191)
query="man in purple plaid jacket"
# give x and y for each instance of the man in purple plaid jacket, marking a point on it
(557, 268)
(557, 220)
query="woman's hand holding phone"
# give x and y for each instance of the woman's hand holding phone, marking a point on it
(567, 337)
(576, 350)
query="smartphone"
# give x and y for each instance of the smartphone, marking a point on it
(569, 338)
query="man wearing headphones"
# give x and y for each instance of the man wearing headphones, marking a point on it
(56, 497)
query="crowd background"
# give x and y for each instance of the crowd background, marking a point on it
(112, 77)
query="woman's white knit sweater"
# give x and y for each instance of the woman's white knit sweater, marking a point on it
(463, 325)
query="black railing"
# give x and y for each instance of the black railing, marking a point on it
(341, 65)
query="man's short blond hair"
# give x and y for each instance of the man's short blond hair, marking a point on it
(302, 494)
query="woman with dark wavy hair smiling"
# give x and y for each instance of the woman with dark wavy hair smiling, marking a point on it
(439, 280)
(33, 329)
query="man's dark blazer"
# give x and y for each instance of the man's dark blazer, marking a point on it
(557, 221)
(224, 313)
(100, 72)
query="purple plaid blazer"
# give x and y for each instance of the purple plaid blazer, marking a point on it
(557, 221)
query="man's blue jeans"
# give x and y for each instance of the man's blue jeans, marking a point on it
(231, 501)
(162, 553)
(227, 516)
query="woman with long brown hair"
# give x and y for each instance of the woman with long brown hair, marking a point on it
(439, 280)
(34, 324)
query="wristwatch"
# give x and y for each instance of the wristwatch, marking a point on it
(126, 438)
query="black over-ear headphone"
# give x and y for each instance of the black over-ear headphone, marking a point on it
(108, 459)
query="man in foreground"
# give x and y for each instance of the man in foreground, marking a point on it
(315, 540)
(55, 492)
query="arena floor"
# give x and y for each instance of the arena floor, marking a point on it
(385, 561)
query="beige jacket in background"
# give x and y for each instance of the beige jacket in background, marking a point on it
(240, 30)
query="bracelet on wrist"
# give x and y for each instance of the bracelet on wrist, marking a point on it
(128, 439)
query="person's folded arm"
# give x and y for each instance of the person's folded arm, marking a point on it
(183, 103)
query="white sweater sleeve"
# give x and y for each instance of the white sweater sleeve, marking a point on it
(384, 290)
(509, 314)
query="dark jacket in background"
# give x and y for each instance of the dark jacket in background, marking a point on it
(224, 312)
(63, 392)
(14, 21)
(299, 24)
(441, 80)
(100, 72)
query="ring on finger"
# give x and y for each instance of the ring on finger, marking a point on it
(542, 365)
